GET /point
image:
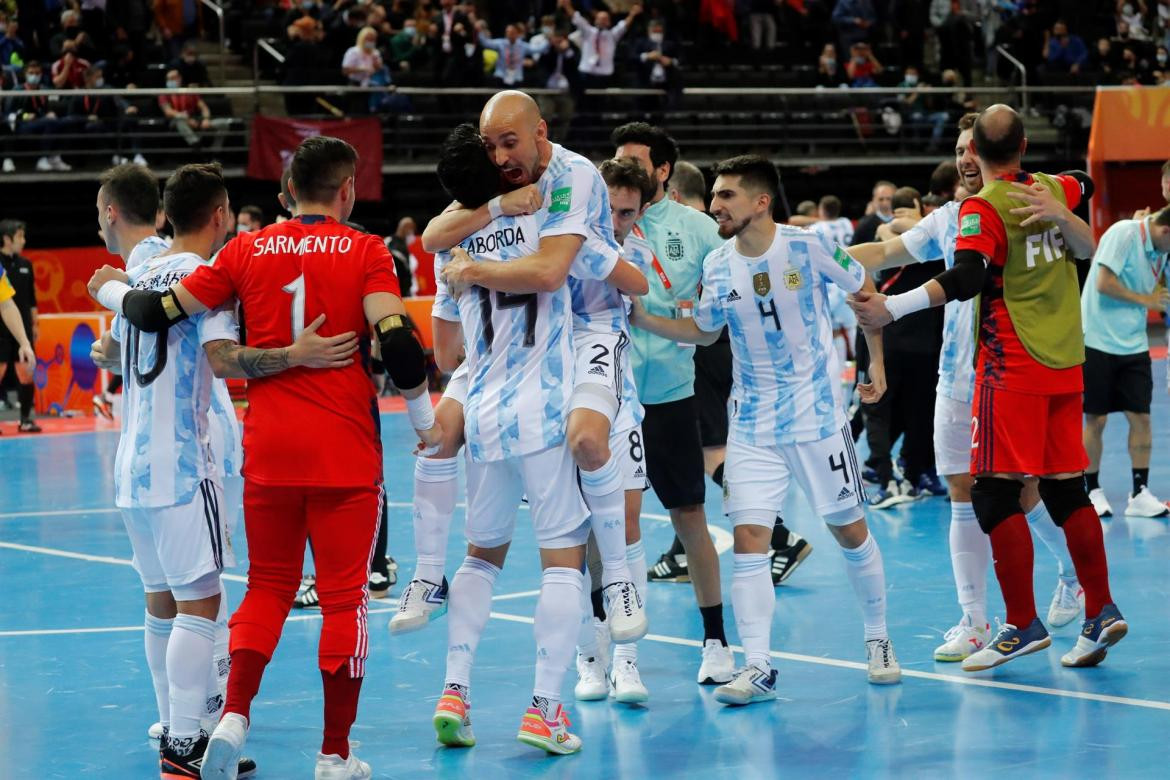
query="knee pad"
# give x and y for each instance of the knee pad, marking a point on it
(995, 499)
(1062, 497)
(202, 588)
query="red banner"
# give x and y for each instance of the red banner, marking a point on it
(274, 140)
(61, 276)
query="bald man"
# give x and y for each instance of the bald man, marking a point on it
(1018, 239)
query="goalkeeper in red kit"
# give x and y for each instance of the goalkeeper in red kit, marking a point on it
(312, 448)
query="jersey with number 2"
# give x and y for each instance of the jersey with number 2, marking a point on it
(305, 426)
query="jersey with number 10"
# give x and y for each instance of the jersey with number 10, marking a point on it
(305, 426)
(786, 386)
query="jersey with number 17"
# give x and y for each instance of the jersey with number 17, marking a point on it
(304, 426)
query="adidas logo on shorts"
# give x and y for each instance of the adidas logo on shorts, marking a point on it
(844, 494)
(639, 472)
(597, 370)
(732, 296)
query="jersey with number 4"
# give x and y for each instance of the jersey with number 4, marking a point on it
(305, 426)
(165, 450)
(786, 385)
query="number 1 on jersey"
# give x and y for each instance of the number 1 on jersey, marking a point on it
(297, 289)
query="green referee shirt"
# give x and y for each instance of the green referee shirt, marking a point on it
(681, 238)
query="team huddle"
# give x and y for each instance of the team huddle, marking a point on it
(547, 282)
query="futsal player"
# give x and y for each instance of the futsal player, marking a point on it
(788, 424)
(321, 477)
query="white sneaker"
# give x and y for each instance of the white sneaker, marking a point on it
(59, 164)
(1146, 504)
(118, 159)
(139, 160)
(43, 164)
(962, 640)
(751, 685)
(421, 603)
(718, 665)
(626, 684)
(9, 166)
(334, 767)
(1100, 503)
(155, 731)
(883, 664)
(591, 682)
(625, 613)
(222, 758)
(1067, 602)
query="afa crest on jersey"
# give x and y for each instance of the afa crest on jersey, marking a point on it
(674, 248)
(792, 278)
(762, 283)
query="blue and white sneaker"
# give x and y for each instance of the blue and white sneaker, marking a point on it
(895, 492)
(751, 685)
(421, 602)
(929, 483)
(1097, 636)
(1010, 642)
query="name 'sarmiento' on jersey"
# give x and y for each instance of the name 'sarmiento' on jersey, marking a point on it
(301, 246)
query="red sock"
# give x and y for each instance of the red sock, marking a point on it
(244, 681)
(1011, 547)
(1086, 547)
(341, 703)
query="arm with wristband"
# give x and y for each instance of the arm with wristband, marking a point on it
(457, 222)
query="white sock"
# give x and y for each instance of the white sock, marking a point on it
(158, 634)
(606, 499)
(586, 635)
(188, 658)
(434, 503)
(469, 606)
(970, 557)
(636, 563)
(868, 577)
(1053, 538)
(555, 628)
(220, 661)
(753, 600)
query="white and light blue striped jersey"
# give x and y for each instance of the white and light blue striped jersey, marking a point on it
(226, 445)
(836, 232)
(165, 448)
(519, 351)
(786, 386)
(930, 239)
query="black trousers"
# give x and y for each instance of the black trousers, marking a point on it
(907, 409)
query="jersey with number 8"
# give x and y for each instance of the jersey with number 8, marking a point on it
(312, 427)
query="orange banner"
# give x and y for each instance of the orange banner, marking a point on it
(66, 378)
(61, 276)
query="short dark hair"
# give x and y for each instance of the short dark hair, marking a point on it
(663, 149)
(689, 180)
(192, 194)
(831, 205)
(255, 212)
(134, 190)
(464, 169)
(288, 196)
(753, 171)
(967, 120)
(1162, 218)
(945, 178)
(1002, 149)
(320, 166)
(885, 183)
(904, 198)
(33, 64)
(10, 227)
(627, 173)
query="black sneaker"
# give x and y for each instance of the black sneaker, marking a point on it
(786, 559)
(28, 426)
(307, 594)
(668, 569)
(184, 759)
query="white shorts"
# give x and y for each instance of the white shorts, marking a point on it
(597, 376)
(549, 480)
(176, 545)
(952, 436)
(628, 447)
(457, 385)
(756, 479)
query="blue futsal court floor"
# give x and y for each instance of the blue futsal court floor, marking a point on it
(76, 697)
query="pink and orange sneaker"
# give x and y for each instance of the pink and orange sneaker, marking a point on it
(551, 736)
(453, 721)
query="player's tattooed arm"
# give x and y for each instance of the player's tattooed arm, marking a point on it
(230, 360)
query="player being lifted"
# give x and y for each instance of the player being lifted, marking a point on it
(768, 286)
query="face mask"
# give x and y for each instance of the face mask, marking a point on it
(548, 31)
(911, 79)
(33, 79)
(410, 30)
(1127, 10)
(368, 45)
(189, 60)
(99, 83)
(242, 228)
(172, 84)
(1162, 59)
(409, 239)
(830, 63)
(655, 37)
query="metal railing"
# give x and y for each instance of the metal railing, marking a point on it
(1007, 55)
(218, 11)
(263, 45)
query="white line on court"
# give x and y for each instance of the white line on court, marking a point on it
(670, 640)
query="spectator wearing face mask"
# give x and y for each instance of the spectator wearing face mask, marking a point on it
(657, 62)
(33, 114)
(68, 72)
(599, 41)
(249, 219)
(1063, 52)
(94, 112)
(515, 54)
(73, 37)
(189, 114)
(863, 66)
(407, 47)
(191, 68)
(829, 71)
(918, 107)
(362, 60)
